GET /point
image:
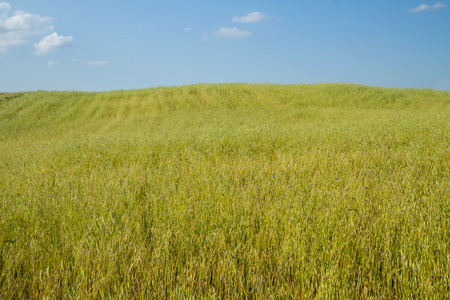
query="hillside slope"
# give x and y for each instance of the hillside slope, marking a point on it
(36, 113)
(225, 191)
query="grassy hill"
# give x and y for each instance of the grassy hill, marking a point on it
(225, 191)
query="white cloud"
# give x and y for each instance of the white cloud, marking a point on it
(99, 63)
(52, 63)
(424, 7)
(51, 42)
(187, 29)
(25, 23)
(232, 32)
(15, 30)
(250, 18)
(5, 6)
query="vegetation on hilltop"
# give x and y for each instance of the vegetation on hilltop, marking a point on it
(225, 191)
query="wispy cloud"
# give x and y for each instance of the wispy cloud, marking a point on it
(232, 33)
(52, 63)
(250, 18)
(5, 6)
(99, 63)
(425, 7)
(51, 42)
(187, 29)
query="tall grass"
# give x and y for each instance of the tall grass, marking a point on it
(225, 191)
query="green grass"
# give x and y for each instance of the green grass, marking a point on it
(225, 191)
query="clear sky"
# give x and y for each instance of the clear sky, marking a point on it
(99, 45)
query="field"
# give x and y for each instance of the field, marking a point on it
(225, 191)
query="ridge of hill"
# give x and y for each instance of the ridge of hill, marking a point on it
(40, 112)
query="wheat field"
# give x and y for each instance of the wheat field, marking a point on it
(225, 191)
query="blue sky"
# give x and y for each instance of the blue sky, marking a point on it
(108, 45)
